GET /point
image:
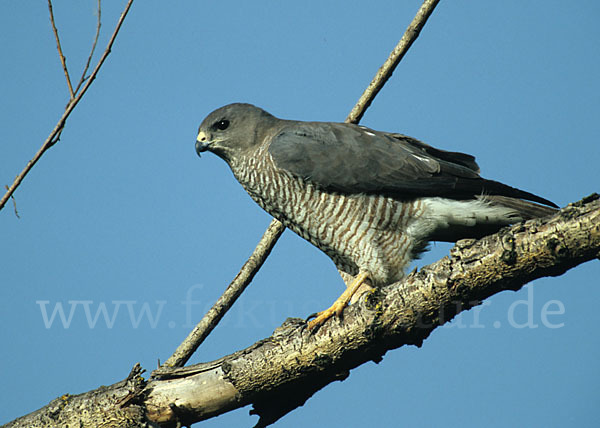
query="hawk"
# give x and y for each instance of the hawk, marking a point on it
(370, 200)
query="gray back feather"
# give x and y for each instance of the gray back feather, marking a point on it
(348, 158)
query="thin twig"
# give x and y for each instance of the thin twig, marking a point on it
(388, 67)
(89, 60)
(63, 60)
(53, 137)
(233, 291)
(14, 204)
(242, 280)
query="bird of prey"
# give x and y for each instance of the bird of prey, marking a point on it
(370, 200)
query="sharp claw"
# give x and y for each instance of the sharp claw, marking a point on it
(312, 327)
(338, 306)
(315, 324)
(313, 315)
(321, 318)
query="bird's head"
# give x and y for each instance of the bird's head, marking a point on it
(232, 130)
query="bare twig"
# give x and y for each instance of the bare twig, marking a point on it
(14, 204)
(63, 60)
(233, 291)
(388, 67)
(89, 60)
(275, 229)
(55, 134)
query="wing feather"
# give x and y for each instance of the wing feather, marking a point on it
(347, 158)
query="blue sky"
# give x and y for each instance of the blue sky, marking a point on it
(122, 214)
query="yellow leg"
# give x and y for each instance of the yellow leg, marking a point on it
(340, 303)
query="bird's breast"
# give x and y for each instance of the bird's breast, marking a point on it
(358, 232)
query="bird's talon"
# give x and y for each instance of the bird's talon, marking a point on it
(320, 319)
(311, 316)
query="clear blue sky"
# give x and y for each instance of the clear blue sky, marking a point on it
(122, 214)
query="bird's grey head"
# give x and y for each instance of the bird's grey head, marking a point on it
(232, 129)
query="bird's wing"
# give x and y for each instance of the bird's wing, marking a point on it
(351, 159)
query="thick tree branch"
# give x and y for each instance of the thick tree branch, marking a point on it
(275, 229)
(55, 133)
(105, 407)
(281, 372)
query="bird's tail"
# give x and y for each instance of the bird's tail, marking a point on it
(526, 209)
(450, 220)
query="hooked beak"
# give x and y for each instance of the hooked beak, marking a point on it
(202, 143)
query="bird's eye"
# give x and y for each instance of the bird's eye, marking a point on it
(222, 124)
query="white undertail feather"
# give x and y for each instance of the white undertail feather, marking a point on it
(448, 219)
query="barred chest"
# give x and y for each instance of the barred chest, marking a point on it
(290, 200)
(358, 232)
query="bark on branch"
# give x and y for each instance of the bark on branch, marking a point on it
(281, 372)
